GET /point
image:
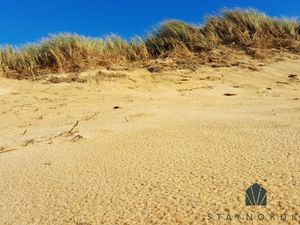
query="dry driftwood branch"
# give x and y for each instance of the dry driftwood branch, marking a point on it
(71, 130)
(68, 132)
(25, 143)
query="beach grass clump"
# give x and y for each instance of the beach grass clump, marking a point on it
(119, 50)
(68, 53)
(173, 33)
(234, 29)
(249, 28)
(57, 53)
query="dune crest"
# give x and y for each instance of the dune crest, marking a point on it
(223, 40)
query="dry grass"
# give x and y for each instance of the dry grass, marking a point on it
(252, 29)
(233, 30)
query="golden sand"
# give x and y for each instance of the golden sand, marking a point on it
(167, 148)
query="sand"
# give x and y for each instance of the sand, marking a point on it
(165, 148)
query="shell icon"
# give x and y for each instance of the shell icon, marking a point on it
(256, 195)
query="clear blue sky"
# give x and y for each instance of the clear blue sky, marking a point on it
(28, 21)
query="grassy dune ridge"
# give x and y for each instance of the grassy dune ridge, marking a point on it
(242, 30)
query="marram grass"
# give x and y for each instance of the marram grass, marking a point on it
(240, 29)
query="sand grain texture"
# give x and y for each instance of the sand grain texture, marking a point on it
(174, 149)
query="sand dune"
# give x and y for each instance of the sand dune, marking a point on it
(150, 148)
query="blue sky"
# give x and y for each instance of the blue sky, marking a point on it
(28, 21)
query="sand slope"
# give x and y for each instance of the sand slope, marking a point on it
(175, 149)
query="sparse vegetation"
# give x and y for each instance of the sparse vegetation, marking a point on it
(235, 30)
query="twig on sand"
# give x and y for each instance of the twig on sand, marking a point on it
(24, 132)
(29, 124)
(27, 142)
(91, 116)
(68, 132)
(282, 82)
(76, 138)
(4, 150)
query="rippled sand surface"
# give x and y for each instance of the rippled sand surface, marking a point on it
(172, 148)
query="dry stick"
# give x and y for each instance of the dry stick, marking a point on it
(75, 125)
(8, 150)
(29, 124)
(32, 141)
(27, 142)
(92, 116)
(134, 81)
(76, 138)
(69, 132)
(24, 132)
